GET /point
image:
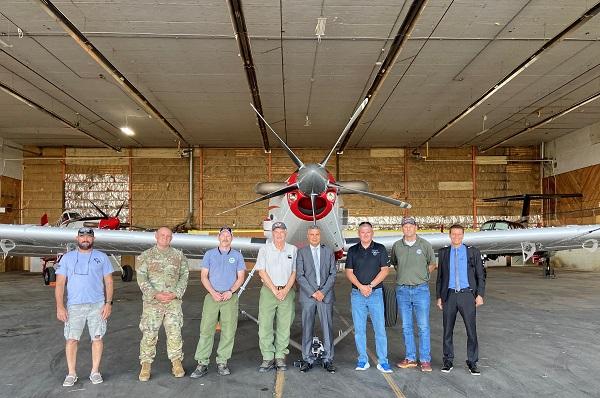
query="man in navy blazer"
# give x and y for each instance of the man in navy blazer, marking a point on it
(315, 274)
(460, 288)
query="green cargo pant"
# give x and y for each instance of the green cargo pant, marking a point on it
(212, 312)
(154, 315)
(274, 344)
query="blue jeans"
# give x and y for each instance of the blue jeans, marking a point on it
(415, 299)
(372, 306)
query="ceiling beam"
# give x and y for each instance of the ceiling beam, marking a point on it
(394, 52)
(515, 72)
(35, 105)
(243, 40)
(101, 60)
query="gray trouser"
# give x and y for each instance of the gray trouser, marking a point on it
(309, 311)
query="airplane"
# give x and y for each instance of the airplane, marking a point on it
(309, 196)
(74, 219)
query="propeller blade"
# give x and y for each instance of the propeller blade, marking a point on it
(121, 207)
(312, 206)
(99, 209)
(357, 112)
(264, 197)
(290, 153)
(382, 198)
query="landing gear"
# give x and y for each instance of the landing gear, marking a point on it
(390, 306)
(49, 274)
(126, 273)
(547, 267)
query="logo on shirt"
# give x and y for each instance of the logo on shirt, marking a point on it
(375, 252)
(231, 260)
(419, 251)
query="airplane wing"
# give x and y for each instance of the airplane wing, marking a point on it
(513, 241)
(36, 241)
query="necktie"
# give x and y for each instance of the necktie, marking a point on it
(315, 254)
(456, 277)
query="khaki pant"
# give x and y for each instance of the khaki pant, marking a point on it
(274, 342)
(212, 312)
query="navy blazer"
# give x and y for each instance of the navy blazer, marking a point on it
(306, 275)
(475, 272)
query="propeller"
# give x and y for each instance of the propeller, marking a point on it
(264, 197)
(382, 198)
(99, 209)
(313, 178)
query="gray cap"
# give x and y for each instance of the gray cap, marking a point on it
(278, 224)
(409, 220)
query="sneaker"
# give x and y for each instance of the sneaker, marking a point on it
(473, 369)
(328, 366)
(70, 381)
(200, 371)
(407, 363)
(96, 378)
(362, 365)
(447, 367)
(426, 367)
(280, 364)
(266, 365)
(223, 369)
(305, 367)
(384, 368)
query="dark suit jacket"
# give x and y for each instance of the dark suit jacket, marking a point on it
(475, 272)
(306, 273)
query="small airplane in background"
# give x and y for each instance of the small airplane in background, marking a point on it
(74, 219)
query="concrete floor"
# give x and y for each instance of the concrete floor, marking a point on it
(538, 337)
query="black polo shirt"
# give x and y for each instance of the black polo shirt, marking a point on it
(367, 263)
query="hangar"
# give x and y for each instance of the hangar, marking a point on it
(147, 103)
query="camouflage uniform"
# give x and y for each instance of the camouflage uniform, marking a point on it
(161, 270)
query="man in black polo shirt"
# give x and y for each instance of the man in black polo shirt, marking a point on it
(366, 268)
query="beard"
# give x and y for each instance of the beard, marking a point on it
(85, 245)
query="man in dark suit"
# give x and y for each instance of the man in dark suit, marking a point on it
(315, 273)
(460, 288)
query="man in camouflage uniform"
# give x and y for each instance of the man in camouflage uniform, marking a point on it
(162, 274)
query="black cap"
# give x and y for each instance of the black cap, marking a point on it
(85, 231)
(278, 224)
(409, 220)
(225, 228)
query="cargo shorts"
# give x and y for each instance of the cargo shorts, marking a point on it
(79, 314)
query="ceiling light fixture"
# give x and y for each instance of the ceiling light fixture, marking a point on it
(307, 122)
(127, 131)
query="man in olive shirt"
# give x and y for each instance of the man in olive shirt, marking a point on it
(414, 259)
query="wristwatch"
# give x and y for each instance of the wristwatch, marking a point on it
(108, 302)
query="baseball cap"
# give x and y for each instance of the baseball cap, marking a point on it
(409, 220)
(85, 231)
(225, 228)
(278, 224)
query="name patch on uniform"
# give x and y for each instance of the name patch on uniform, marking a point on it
(231, 260)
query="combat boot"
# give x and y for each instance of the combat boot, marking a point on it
(177, 368)
(145, 372)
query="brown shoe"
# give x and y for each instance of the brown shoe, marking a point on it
(145, 372)
(177, 368)
(405, 364)
(426, 367)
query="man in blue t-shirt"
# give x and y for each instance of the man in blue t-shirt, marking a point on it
(222, 274)
(87, 274)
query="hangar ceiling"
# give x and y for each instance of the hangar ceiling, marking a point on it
(183, 58)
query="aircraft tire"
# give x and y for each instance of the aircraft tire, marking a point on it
(127, 274)
(390, 305)
(49, 275)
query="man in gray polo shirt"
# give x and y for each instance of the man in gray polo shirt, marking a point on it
(414, 259)
(275, 265)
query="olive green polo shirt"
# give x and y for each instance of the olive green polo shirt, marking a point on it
(412, 262)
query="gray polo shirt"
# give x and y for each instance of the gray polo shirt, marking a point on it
(279, 264)
(412, 262)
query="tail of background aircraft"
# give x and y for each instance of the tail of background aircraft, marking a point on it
(44, 220)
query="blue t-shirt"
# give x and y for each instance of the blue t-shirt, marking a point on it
(223, 268)
(85, 276)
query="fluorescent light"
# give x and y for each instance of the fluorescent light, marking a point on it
(127, 131)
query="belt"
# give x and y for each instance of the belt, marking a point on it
(467, 289)
(413, 286)
(280, 287)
